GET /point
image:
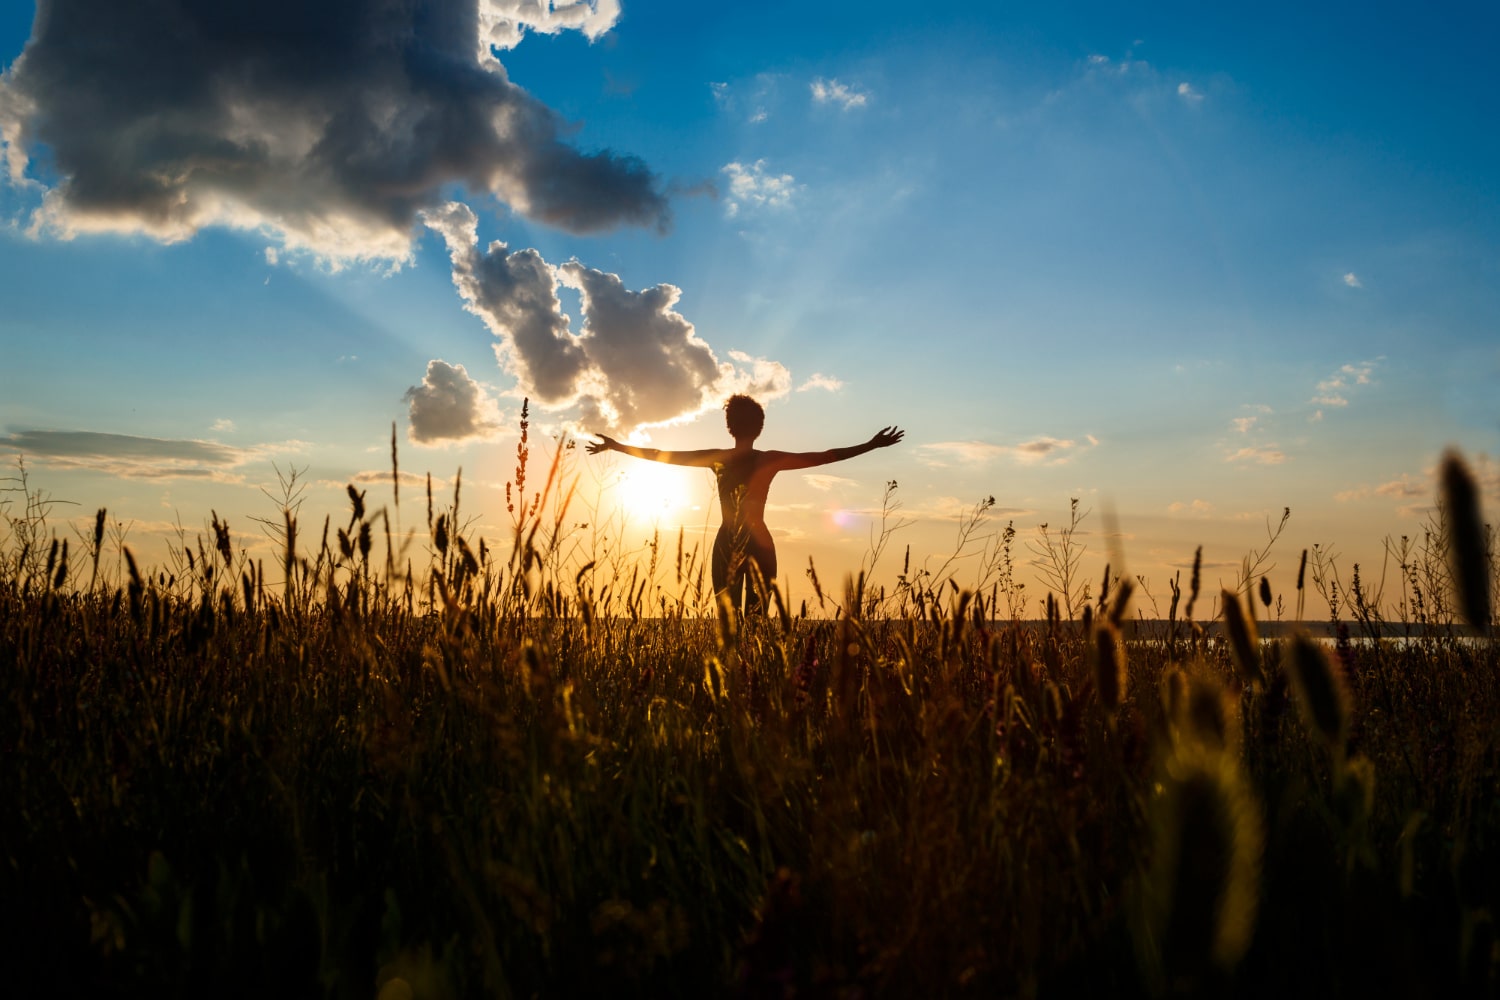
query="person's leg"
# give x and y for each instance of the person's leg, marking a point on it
(728, 568)
(764, 557)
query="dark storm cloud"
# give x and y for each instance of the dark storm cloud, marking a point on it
(449, 406)
(637, 361)
(330, 123)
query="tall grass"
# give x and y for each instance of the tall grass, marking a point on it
(529, 769)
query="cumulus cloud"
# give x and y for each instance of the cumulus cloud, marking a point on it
(449, 406)
(760, 377)
(503, 23)
(329, 126)
(1334, 390)
(752, 186)
(833, 92)
(635, 362)
(820, 381)
(1042, 450)
(130, 457)
(1352, 280)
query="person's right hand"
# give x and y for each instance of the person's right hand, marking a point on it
(887, 437)
(605, 443)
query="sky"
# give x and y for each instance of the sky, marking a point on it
(1190, 265)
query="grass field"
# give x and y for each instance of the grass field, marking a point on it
(433, 768)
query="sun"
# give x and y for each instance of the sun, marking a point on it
(649, 491)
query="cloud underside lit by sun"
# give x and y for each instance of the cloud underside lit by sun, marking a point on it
(636, 361)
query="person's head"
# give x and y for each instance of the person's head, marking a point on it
(744, 417)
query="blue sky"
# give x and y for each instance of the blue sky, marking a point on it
(1190, 265)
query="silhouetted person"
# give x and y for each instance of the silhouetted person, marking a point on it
(744, 478)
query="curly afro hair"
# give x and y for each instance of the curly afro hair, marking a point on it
(744, 417)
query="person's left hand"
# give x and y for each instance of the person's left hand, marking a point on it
(605, 443)
(887, 437)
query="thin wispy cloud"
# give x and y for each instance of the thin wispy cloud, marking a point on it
(330, 127)
(448, 407)
(222, 425)
(824, 483)
(1268, 454)
(820, 381)
(635, 362)
(832, 91)
(1352, 280)
(1038, 451)
(1188, 93)
(1194, 508)
(751, 186)
(382, 477)
(1405, 487)
(133, 457)
(951, 508)
(1242, 425)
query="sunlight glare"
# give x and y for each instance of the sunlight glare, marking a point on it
(648, 491)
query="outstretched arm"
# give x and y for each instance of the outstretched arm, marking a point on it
(702, 459)
(788, 460)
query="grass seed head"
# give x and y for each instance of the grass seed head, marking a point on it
(1321, 692)
(1110, 677)
(1466, 543)
(1204, 880)
(1243, 641)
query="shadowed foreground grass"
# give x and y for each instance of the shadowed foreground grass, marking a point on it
(214, 789)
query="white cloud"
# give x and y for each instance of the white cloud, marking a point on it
(832, 91)
(1334, 390)
(1187, 93)
(752, 186)
(223, 424)
(328, 127)
(1352, 280)
(762, 378)
(820, 381)
(1242, 425)
(449, 406)
(503, 23)
(635, 362)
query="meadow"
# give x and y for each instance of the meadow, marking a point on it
(428, 765)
